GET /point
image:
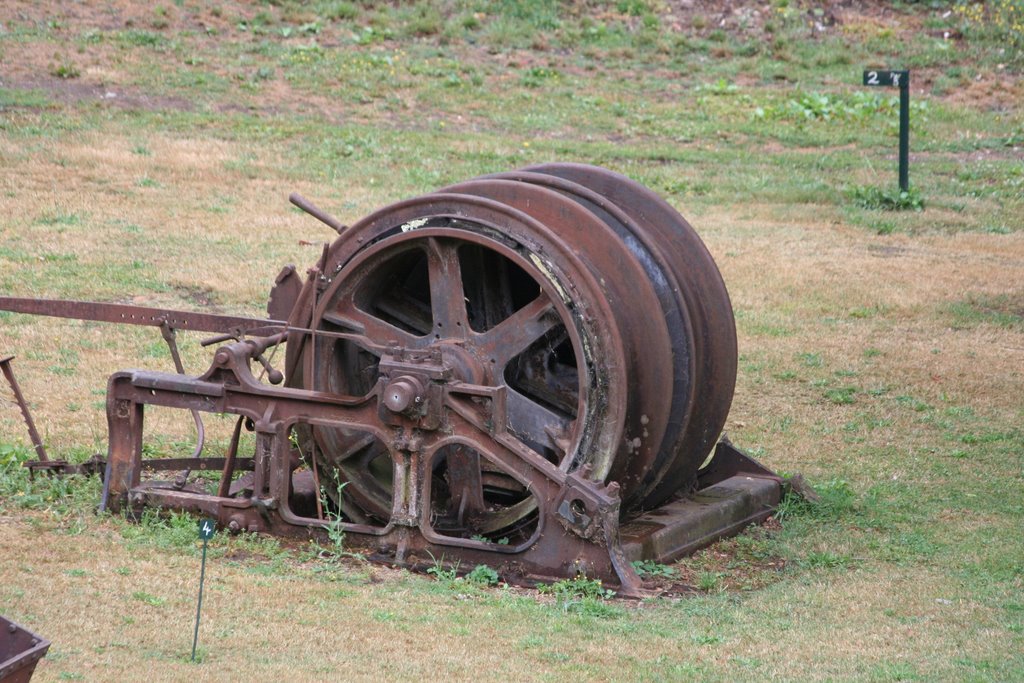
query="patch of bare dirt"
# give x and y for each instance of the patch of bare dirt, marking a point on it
(200, 296)
(68, 91)
(988, 91)
(732, 564)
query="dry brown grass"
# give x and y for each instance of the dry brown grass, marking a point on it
(113, 611)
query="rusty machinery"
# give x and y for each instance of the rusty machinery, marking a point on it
(20, 651)
(526, 370)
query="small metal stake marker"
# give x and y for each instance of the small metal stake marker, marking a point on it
(206, 529)
(901, 80)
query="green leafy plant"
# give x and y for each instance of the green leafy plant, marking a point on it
(654, 570)
(888, 200)
(335, 548)
(149, 599)
(582, 595)
(483, 539)
(857, 106)
(825, 559)
(578, 587)
(441, 572)
(719, 87)
(483, 575)
(12, 455)
(835, 498)
(791, 505)
(536, 76)
(841, 395)
(64, 68)
(1001, 21)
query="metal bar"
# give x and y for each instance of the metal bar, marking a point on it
(139, 315)
(229, 462)
(905, 134)
(158, 317)
(5, 364)
(172, 345)
(316, 212)
(202, 464)
(94, 465)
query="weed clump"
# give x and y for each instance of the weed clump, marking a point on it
(888, 200)
(483, 575)
(649, 569)
(835, 498)
(64, 68)
(582, 595)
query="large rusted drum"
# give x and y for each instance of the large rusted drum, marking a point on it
(583, 299)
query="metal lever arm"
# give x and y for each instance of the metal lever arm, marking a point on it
(316, 212)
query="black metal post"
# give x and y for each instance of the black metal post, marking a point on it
(905, 134)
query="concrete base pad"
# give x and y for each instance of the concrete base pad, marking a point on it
(684, 526)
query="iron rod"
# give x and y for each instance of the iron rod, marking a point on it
(37, 442)
(316, 212)
(139, 315)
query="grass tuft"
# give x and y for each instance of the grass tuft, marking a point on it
(888, 199)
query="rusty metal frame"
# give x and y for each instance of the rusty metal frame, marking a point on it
(577, 529)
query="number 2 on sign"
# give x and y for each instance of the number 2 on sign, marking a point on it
(881, 77)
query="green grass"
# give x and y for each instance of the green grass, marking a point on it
(1002, 311)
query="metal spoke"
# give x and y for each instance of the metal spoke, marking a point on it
(377, 332)
(447, 294)
(467, 495)
(359, 442)
(515, 334)
(535, 423)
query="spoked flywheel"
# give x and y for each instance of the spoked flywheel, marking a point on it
(572, 316)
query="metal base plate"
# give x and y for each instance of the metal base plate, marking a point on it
(684, 526)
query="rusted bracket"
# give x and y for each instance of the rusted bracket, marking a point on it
(93, 466)
(20, 651)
